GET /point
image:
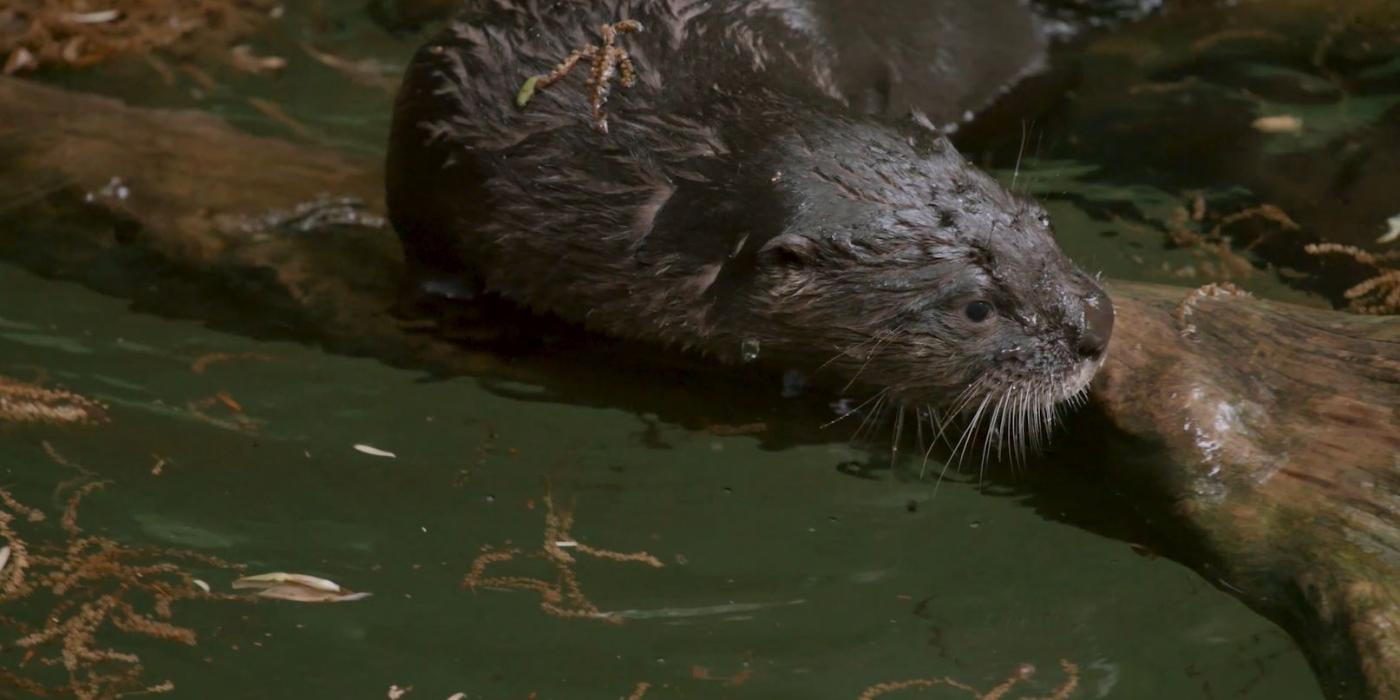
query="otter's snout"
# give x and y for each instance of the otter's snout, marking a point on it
(1098, 325)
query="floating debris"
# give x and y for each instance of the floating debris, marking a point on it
(278, 577)
(561, 595)
(1279, 124)
(375, 451)
(1392, 233)
(1024, 672)
(89, 591)
(298, 588)
(22, 402)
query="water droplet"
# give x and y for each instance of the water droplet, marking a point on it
(748, 350)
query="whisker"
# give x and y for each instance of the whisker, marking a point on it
(871, 419)
(1019, 152)
(853, 411)
(871, 355)
(898, 430)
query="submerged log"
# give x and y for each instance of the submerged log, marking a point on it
(1269, 432)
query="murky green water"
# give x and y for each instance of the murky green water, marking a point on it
(783, 574)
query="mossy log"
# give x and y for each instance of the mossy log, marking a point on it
(1269, 432)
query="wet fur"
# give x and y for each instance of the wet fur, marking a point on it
(737, 199)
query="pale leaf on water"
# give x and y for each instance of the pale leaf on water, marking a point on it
(301, 594)
(1393, 230)
(374, 451)
(99, 17)
(298, 588)
(278, 578)
(1279, 124)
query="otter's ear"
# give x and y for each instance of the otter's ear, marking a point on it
(788, 249)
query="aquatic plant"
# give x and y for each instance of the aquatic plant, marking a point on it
(1022, 673)
(1379, 294)
(608, 60)
(1188, 229)
(51, 33)
(23, 402)
(87, 589)
(564, 596)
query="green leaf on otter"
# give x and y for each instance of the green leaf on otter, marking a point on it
(527, 91)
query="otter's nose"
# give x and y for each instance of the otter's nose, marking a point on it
(1098, 325)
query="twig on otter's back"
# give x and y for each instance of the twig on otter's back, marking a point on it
(608, 60)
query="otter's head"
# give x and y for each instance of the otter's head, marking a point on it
(926, 280)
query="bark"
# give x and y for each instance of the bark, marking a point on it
(1271, 432)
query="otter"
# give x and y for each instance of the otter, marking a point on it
(695, 174)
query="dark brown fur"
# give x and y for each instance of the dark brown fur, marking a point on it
(738, 201)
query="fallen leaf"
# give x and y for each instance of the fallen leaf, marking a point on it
(457, 696)
(302, 594)
(298, 588)
(1279, 124)
(1393, 234)
(4, 557)
(100, 17)
(375, 451)
(201, 585)
(278, 578)
(396, 692)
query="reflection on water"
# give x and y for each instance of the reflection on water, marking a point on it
(524, 541)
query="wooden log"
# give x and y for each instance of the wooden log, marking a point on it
(1270, 432)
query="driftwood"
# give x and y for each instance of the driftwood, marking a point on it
(1269, 434)
(1272, 432)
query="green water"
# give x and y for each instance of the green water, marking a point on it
(784, 574)
(776, 563)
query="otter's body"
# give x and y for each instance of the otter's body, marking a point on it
(736, 201)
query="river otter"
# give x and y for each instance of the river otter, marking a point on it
(734, 202)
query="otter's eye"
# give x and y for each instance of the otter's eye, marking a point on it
(978, 311)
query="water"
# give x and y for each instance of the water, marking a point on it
(790, 567)
(777, 564)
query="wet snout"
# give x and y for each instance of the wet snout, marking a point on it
(1097, 324)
